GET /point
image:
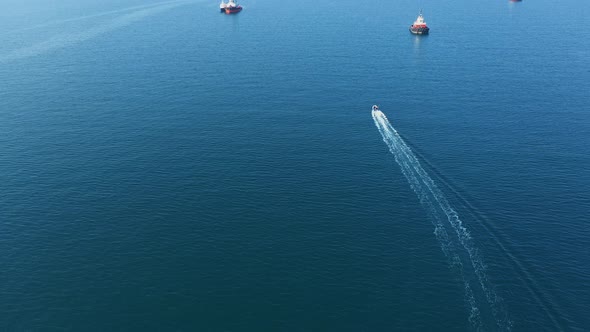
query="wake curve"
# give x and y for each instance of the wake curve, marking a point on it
(66, 40)
(85, 17)
(486, 311)
(542, 298)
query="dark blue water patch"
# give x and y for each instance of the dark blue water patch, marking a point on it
(192, 170)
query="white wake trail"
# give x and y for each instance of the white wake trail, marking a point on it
(85, 17)
(455, 239)
(66, 40)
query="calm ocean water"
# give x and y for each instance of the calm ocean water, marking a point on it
(167, 167)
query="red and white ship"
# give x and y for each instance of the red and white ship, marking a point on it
(419, 27)
(230, 7)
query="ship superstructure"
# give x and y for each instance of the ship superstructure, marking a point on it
(419, 27)
(230, 7)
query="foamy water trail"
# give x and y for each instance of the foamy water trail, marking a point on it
(485, 309)
(542, 298)
(67, 40)
(85, 17)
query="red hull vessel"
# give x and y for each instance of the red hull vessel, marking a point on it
(230, 7)
(419, 27)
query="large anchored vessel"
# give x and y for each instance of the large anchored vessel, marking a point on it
(230, 7)
(419, 27)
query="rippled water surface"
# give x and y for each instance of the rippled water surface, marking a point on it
(167, 167)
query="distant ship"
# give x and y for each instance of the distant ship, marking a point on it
(419, 27)
(230, 7)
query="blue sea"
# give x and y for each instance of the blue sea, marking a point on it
(165, 167)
